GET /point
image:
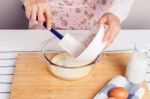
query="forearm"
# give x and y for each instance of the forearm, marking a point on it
(121, 8)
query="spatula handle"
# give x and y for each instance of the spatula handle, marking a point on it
(55, 32)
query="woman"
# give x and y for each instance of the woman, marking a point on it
(79, 14)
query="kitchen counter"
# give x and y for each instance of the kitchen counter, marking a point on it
(13, 42)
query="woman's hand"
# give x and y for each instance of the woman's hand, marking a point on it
(38, 10)
(114, 27)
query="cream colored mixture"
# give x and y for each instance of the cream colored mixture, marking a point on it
(65, 60)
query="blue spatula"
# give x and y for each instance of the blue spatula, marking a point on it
(67, 42)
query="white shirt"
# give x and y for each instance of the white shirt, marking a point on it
(121, 8)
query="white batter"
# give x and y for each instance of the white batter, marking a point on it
(65, 60)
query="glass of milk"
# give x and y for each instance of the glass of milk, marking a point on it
(136, 69)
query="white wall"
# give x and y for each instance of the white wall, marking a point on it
(139, 17)
(12, 17)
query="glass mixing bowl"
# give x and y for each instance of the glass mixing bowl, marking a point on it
(68, 70)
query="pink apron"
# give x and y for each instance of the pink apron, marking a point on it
(76, 14)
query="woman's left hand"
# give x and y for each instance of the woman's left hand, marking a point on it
(114, 27)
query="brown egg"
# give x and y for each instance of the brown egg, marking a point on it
(112, 98)
(119, 93)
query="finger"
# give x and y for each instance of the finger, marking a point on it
(48, 18)
(107, 35)
(109, 42)
(34, 14)
(40, 17)
(49, 24)
(28, 12)
(103, 20)
(114, 30)
(111, 30)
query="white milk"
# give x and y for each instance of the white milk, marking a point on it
(136, 69)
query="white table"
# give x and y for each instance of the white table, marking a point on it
(13, 42)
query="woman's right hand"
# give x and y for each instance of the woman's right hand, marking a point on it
(38, 10)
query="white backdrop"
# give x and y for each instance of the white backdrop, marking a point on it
(12, 17)
(139, 17)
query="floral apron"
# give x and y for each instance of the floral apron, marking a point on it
(76, 14)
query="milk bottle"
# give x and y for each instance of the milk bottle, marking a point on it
(136, 69)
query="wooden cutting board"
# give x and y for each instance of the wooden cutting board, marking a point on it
(32, 80)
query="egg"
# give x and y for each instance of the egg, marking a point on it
(119, 93)
(112, 98)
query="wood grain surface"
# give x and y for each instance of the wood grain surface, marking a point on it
(32, 80)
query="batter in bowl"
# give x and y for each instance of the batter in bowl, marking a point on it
(66, 67)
